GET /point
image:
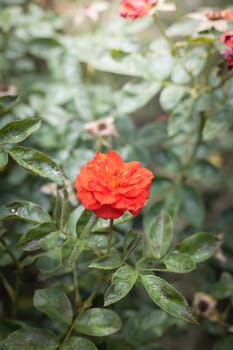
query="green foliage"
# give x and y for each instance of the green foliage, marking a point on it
(98, 322)
(167, 297)
(169, 99)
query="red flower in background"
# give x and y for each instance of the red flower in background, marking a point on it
(136, 8)
(109, 187)
(227, 38)
(228, 54)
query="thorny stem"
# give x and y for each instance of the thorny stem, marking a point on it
(162, 32)
(110, 236)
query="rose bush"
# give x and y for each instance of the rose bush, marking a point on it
(156, 91)
(109, 187)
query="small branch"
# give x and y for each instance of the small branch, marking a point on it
(77, 297)
(162, 32)
(110, 236)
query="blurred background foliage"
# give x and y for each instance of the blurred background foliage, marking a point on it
(76, 62)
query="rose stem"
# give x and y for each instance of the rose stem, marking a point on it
(110, 235)
(162, 31)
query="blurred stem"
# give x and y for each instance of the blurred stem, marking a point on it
(199, 135)
(7, 286)
(13, 293)
(77, 297)
(162, 32)
(110, 236)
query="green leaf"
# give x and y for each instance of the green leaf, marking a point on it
(217, 123)
(192, 205)
(71, 250)
(7, 102)
(171, 96)
(134, 95)
(160, 234)
(84, 220)
(78, 344)
(179, 262)
(3, 159)
(38, 232)
(199, 246)
(202, 170)
(62, 207)
(179, 116)
(106, 262)
(196, 60)
(226, 343)
(122, 282)
(223, 288)
(19, 130)
(147, 263)
(98, 322)
(167, 297)
(50, 262)
(74, 218)
(54, 303)
(131, 241)
(24, 210)
(38, 163)
(30, 339)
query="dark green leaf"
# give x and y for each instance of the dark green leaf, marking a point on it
(160, 234)
(62, 207)
(38, 232)
(3, 159)
(217, 123)
(24, 210)
(199, 246)
(54, 303)
(50, 262)
(226, 343)
(167, 297)
(98, 322)
(71, 250)
(179, 262)
(30, 339)
(202, 170)
(7, 102)
(107, 262)
(84, 220)
(74, 218)
(147, 263)
(122, 282)
(38, 163)
(19, 130)
(77, 343)
(223, 288)
(192, 205)
(131, 241)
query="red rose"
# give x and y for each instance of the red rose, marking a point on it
(228, 54)
(227, 38)
(109, 187)
(136, 8)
